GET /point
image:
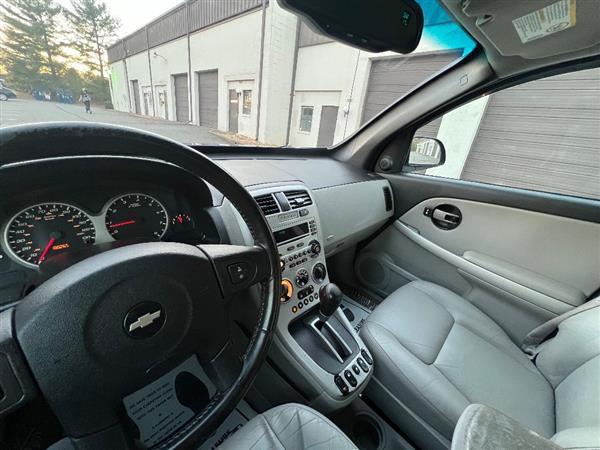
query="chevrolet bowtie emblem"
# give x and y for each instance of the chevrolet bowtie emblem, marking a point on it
(144, 321)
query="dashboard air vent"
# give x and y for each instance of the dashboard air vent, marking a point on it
(298, 199)
(387, 196)
(267, 203)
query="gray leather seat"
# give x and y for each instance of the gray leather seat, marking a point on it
(290, 427)
(435, 354)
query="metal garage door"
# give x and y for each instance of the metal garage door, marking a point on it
(182, 108)
(542, 135)
(391, 78)
(207, 99)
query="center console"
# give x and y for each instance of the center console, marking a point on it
(314, 338)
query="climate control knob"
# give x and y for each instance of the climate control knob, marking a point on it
(302, 277)
(319, 272)
(315, 247)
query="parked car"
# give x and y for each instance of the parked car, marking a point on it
(6, 93)
(64, 96)
(41, 94)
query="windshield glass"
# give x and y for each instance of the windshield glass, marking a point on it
(206, 72)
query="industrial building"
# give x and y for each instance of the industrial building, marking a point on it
(252, 68)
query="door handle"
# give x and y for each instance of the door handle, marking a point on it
(446, 217)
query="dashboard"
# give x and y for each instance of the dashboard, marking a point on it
(51, 224)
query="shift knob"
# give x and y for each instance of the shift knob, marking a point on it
(330, 299)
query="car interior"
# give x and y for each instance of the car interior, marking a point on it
(160, 295)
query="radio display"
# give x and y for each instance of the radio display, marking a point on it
(287, 234)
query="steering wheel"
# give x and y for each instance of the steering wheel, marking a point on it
(72, 337)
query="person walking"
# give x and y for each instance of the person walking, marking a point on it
(87, 100)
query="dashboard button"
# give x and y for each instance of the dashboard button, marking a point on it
(355, 369)
(239, 272)
(342, 386)
(363, 365)
(294, 309)
(303, 212)
(311, 299)
(367, 357)
(306, 302)
(300, 305)
(350, 378)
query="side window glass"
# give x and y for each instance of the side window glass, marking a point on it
(543, 135)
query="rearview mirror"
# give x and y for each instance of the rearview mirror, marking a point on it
(373, 25)
(426, 152)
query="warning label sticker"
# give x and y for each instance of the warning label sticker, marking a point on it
(546, 21)
(168, 403)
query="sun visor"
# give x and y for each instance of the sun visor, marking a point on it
(535, 29)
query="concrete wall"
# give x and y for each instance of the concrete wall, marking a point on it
(118, 86)
(233, 48)
(326, 74)
(333, 66)
(279, 49)
(168, 60)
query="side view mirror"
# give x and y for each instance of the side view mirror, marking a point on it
(426, 152)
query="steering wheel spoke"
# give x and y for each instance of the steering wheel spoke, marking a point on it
(237, 267)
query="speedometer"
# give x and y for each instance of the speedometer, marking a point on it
(136, 216)
(49, 229)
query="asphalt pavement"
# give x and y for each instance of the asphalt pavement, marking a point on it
(20, 111)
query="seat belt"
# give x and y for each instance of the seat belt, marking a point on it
(541, 333)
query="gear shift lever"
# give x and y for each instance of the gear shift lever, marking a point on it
(330, 299)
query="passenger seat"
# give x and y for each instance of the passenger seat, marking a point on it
(435, 354)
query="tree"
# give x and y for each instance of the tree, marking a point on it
(94, 27)
(30, 47)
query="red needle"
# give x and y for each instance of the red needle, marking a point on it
(46, 250)
(122, 224)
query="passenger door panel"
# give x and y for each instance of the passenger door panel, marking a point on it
(520, 266)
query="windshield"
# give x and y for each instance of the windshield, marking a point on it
(205, 72)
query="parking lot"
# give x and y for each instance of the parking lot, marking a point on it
(19, 111)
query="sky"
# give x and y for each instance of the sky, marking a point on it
(135, 14)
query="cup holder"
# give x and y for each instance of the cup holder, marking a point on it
(366, 432)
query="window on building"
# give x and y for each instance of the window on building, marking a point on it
(306, 117)
(247, 104)
(524, 139)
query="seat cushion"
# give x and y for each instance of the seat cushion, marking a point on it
(289, 427)
(571, 363)
(436, 353)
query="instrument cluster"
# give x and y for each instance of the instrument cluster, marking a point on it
(42, 231)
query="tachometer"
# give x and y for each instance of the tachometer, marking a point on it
(45, 230)
(136, 216)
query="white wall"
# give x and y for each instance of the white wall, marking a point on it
(316, 99)
(118, 85)
(334, 66)
(280, 42)
(233, 48)
(137, 69)
(458, 131)
(326, 74)
(167, 60)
